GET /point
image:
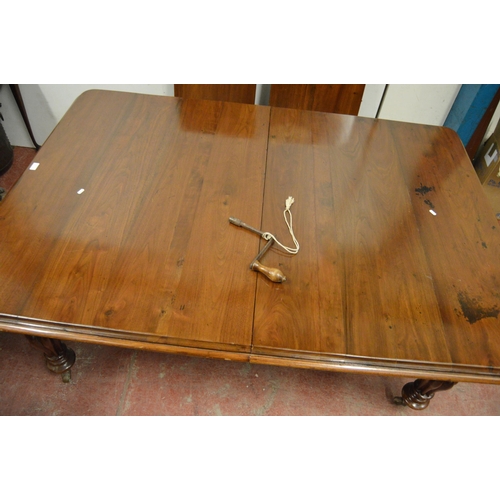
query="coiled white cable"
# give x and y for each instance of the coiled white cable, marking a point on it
(289, 222)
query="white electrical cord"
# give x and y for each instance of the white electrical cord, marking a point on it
(289, 222)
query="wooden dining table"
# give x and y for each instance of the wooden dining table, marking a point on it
(119, 234)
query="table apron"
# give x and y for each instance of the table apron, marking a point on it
(316, 361)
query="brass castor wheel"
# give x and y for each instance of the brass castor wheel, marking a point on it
(398, 400)
(66, 376)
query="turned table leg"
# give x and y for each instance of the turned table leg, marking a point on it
(58, 357)
(418, 394)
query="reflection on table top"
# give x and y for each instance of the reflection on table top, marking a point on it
(398, 266)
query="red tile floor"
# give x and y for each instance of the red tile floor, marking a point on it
(115, 381)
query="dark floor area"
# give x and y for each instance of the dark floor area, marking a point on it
(22, 159)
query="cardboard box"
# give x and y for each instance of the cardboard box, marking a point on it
(492, 189)
(488, 157)
(487, 165)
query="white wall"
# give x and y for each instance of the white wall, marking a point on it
(47, 103)
(61, 97)
(370, 102)
(495, 119)
(426, 104)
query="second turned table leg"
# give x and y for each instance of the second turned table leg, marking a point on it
(417, 395)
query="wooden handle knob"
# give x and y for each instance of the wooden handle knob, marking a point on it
(272, 273)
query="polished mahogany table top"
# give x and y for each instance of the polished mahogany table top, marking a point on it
(398, 271)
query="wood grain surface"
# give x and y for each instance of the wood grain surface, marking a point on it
(243, 93)
(397, 273)
(328, 98)
(462, 241)
(376, 280)
(147, 247)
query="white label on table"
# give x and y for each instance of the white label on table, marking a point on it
(432, 212)
(80, 191)
(34, 166)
